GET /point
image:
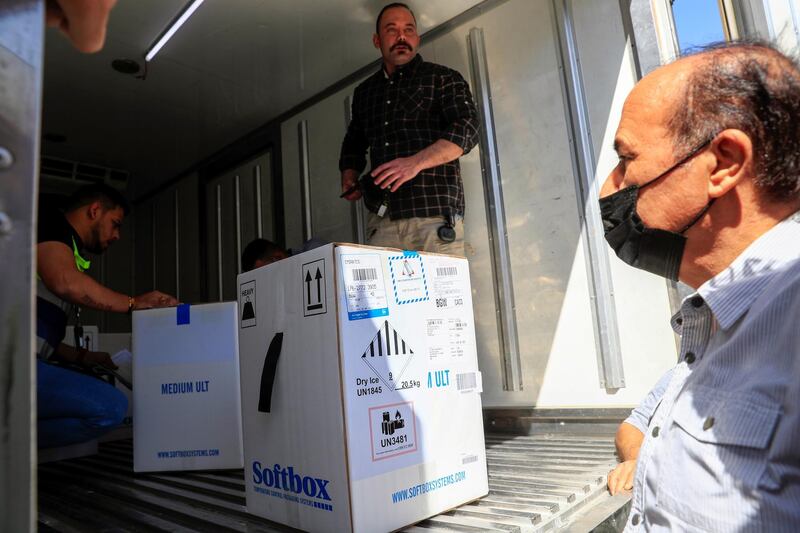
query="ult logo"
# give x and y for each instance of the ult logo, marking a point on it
(287, 480)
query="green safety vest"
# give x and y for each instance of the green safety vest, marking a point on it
(80, 262)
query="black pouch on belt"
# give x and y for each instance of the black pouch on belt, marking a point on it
(373, 195)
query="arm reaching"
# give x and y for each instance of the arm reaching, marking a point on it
(398, 171)
(56, 268)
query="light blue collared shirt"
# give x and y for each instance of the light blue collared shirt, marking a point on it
(641, 415)
(722, 450)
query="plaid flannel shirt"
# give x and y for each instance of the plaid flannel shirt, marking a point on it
(399, 115)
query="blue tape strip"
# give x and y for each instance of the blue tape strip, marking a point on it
(368, 313)
(410, 253)
(183, 314)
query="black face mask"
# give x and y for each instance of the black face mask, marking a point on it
(655, 250)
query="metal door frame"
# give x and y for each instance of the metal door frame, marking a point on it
(21, 68)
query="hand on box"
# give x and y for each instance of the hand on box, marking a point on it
(152, 299)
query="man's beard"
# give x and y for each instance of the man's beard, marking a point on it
(96, 246)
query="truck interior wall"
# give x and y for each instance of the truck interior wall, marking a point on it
(225, 234)
(648, 348)
(331, 217)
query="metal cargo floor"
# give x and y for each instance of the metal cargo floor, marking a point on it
(536, 483)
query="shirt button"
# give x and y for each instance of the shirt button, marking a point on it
(708, 423)
(655, 431)
(697, 301)
(689, 358)
(636, 519)
(386, 144)
(386, 123)
(389, 102)
(679, 321)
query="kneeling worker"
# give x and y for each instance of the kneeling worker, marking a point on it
(74, 407)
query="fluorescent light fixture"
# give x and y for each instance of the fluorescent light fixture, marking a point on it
(182, 17)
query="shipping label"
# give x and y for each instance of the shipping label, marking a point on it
(364, 286)
(408, 278)
(393, 430)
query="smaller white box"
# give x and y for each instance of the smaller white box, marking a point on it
(186, 388)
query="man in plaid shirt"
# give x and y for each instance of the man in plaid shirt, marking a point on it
(417, 119)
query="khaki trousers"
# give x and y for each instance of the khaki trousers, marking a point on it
(418, 234)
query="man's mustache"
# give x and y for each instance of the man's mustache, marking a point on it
(401, 45)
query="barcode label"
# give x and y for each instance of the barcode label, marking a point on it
(447, 271)
(365, 274)
(469, 459)
(466, 381)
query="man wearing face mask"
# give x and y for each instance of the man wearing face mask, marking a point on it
(417, 119)
(73, 407)
(707, 191)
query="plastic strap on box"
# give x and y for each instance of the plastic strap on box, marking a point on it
(268, 373)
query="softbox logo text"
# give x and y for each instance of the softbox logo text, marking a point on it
(288, 479)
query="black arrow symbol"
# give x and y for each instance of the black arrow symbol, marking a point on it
(308, 286)
(318, 277)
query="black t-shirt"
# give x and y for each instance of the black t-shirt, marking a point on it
(52, 313)
(53, 226)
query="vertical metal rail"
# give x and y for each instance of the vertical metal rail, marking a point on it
(496, 218)
(259, 219)
(153, 221)
(176, 204)
(219, 240)
(305, 178)
(21, 55)
(598, 266)
(356, 208)
(238, 224)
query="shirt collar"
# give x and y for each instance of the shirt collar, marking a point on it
(730, 293)
(410, 67)
(75, 236)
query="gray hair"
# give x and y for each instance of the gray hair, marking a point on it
(753, 87)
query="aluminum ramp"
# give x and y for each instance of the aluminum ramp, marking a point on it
(536, 483)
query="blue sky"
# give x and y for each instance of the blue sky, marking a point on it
(698, 22)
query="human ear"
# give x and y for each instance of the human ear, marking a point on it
(733, 150)
(95, 210)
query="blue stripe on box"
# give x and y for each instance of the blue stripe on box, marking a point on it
(368, 313)
(183, 314)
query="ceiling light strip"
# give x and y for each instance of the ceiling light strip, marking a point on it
(190, 8)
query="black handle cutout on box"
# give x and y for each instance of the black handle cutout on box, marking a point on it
(268, 374)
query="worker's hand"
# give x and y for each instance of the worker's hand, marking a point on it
(621, 478)
(82, 21)
(349, 180)
(396, 172)
(153, 299)
(98, 358)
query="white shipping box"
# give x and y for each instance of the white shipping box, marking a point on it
(186, 388)
(370, 418)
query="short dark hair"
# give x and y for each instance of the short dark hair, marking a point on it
(109, 198)
(390, 6)
(260, 249)
(753, 87)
